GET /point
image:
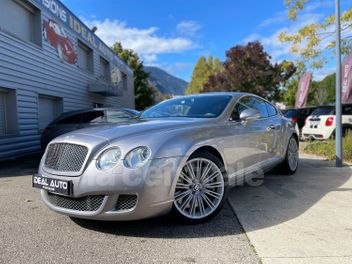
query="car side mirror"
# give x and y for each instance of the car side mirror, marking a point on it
(249, 114)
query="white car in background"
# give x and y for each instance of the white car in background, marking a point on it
(322, 122)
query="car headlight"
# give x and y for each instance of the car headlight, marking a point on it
(108, 159)
(137, 157)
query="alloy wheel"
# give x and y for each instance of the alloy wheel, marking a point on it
(199, 189)
(292, 154)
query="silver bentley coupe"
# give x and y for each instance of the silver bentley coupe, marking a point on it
(181, 155)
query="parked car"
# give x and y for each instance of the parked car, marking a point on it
(298, 116)
(79, 119)
(322, 122)
(57, 37)
(183, 154)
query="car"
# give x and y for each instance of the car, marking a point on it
(298, 116)
(79, 119)
(182, 155)
(56, 35)
(320, 125)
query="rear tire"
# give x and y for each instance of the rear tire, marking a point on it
(200, 193)
(290, 164)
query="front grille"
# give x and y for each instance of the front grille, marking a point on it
(126, 202)
(65, 157)
(85, 204)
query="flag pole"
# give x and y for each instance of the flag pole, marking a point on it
(338, 130)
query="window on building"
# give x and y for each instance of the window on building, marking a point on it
(21, 19)
(124, 81)
(85, 57)
(49, 108)
(8, 112)
(105, 69)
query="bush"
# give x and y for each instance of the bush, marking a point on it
(327, 148)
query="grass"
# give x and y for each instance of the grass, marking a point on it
(327, 148)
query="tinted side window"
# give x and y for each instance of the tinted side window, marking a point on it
(347, 110)
(257, 104)
(93, 117)
(117, 116)
(239, 108)
(271, 109)
(73, 119)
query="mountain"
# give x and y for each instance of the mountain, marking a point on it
(166, 83)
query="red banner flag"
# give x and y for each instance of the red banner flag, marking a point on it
(346, 95)
(302, 92)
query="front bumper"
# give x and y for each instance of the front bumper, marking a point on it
(97, 194)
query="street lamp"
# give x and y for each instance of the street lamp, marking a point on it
(338, 130)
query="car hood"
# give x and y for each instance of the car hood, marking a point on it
(135, 127)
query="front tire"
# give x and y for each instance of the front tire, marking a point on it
(290, 164)
(201, 188)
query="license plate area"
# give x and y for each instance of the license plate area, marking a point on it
(52, 185)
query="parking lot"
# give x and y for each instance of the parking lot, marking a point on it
(303, 218)
(32, 233)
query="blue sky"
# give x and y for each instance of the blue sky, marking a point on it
(174, 34)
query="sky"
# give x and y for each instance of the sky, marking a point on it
(174, 34)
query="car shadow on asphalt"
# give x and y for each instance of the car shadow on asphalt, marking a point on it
(23, 166)
(224, 224)
(282, 198)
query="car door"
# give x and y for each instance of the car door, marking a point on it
(240, 146)
(274, 132)
(263, 136)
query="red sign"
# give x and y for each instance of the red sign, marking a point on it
(302, 92)
(346, 95)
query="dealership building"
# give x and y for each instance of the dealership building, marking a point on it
(51, 63)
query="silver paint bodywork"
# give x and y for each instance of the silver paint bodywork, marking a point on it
(244, 147)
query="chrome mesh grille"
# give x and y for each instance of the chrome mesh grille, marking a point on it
(126, 202)
(65, 157)
(85, 204)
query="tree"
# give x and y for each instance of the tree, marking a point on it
(315, 42)
(248, 69)
(320, 92)
(201, 73)
(144, 92)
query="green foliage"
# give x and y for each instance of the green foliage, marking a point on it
(249, 69)
(327, 148)
(323, 92)
(144, 92)
(289, 94)
(320, 92)
(314, 42)
(201, 73)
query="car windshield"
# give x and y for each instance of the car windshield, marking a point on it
(203, 106)
(323, 111)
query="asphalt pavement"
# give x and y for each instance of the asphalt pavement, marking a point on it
(31, 233)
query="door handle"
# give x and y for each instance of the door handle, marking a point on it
(271, 127)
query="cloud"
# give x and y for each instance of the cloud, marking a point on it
(188, 27)
(146, 42)
(321, 74)
(150, 59)
(273, 46)
(278, 18)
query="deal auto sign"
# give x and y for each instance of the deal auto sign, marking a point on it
(302, 92)
(346, 95)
